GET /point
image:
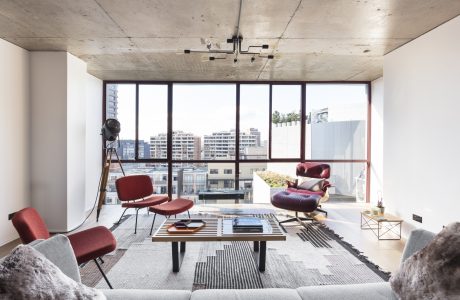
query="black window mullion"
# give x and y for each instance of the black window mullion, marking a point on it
(136, 139)
(237, 140)
(270, 122)
(170, 139)
(302, 122)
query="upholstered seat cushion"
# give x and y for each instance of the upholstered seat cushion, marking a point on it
(295, 201)
(92, 243)
(173, 207)
(137, 294)
(374, 291)
(149, 201)
(253, 294)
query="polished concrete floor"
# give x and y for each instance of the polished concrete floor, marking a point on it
(343, 218)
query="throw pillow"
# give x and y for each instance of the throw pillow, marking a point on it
(312, 184)
(27, 274)
(434, 271)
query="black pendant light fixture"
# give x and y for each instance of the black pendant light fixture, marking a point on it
(236, 40)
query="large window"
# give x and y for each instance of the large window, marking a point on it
(153, 121)
(121, 105)
(204, 114)
(254, 121)
(336, 122)
(286, 112)
(198, 138)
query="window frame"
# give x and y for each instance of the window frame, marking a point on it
(237, 161)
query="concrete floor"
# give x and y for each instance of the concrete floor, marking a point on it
(343, 218)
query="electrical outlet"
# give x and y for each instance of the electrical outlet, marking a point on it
(417, 218)
(10, 216)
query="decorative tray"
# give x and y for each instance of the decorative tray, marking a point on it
(186, 226)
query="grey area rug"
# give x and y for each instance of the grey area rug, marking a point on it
(309, 256)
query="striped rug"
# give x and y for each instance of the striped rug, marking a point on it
(311, 255)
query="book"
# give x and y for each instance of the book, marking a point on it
(247, 224)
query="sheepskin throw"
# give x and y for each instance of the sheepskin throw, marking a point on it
(28, 274)
(434, 271)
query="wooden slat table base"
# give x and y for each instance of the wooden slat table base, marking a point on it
(214, 231)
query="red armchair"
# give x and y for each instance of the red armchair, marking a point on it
(136, 191)
(89, 244)
(312, 170)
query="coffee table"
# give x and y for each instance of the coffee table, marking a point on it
(218, 229)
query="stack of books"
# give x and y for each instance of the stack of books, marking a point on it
(247, 224)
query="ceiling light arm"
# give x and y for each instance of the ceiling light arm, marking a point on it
(240, 41)
(188, 51)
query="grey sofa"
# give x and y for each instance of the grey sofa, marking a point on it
(58, 250)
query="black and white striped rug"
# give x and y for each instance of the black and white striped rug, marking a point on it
(311, 255)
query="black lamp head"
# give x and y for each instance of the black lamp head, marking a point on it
(111, 129)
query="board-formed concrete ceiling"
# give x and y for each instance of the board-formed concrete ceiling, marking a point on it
(315, 40)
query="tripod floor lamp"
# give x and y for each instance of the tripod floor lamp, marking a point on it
(110, 131)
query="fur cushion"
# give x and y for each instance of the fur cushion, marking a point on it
(434, 271)
(27, 274)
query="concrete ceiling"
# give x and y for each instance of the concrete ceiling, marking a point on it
(144, 40)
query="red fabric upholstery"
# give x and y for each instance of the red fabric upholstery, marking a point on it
(150, 201)
(134, 187)
(173, 207)
(92, 243)
(30, 225)
(87, 244)
(313, 170)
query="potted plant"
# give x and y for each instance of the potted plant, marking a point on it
(381, 208)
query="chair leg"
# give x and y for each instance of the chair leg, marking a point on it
(297, 219)
(135, 226)
(322, 210)
(188, 214)
(121, 216)
(103, 274)
(100, 258)
(151, 229)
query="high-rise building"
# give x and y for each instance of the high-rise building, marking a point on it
(186, 146)
(222, 144)
(112, 102)
(127, 149)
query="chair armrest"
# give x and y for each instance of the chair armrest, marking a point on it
(417, 240)
(58, 250)
(326, 185)
(292, 184)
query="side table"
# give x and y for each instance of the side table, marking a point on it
(385, 227)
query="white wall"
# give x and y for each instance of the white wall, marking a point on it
(48, 135)
(58, 132)
(93, 138)
(76, 140)
(421, 128)
(377, 141)
(14, 174)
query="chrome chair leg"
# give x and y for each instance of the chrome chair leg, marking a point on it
(118, 223)
(151, 229)
(135, 226)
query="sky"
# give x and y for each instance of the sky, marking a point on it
(206, 108)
